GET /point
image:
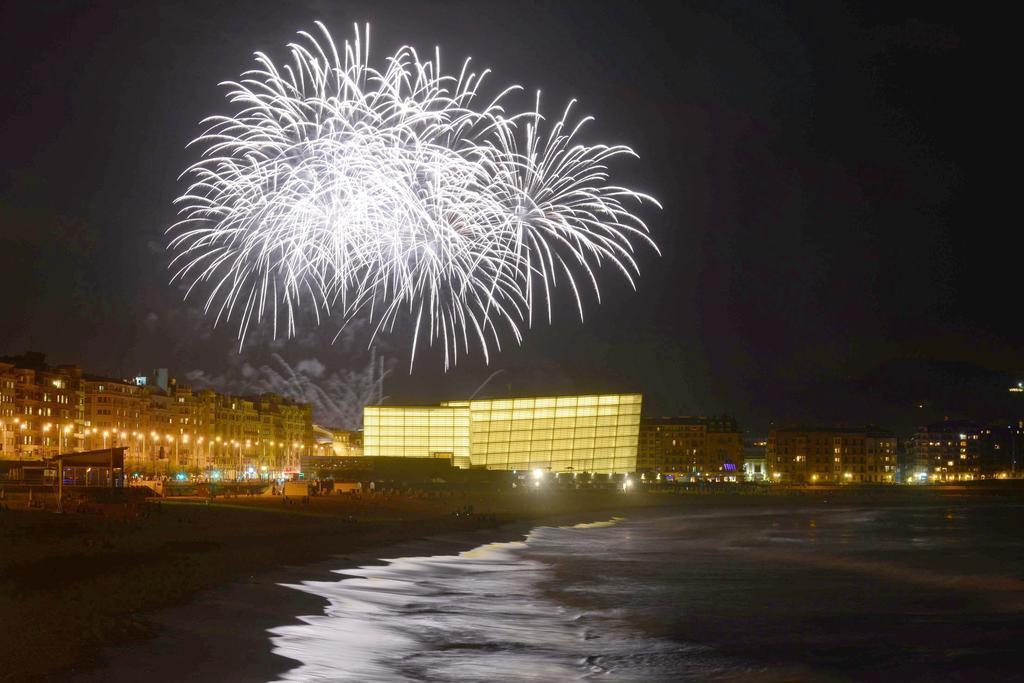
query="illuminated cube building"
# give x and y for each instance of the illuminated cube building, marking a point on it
(593, 433)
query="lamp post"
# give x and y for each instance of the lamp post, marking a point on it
(16, 428)
(133, 447)
(173, 438)
(154, 439)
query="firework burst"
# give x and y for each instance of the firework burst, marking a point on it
(395, 194)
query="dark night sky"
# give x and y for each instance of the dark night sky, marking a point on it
(819, 261)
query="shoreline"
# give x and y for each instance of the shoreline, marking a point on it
(225, 630)
(81, 593)
(73, 585)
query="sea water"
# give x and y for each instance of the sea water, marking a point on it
(759, 592)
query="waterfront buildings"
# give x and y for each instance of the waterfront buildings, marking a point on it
(949, 450)
(42, 408)
(112, 408)
(338, 442)
(168, 428)
(755, 459)
(801, 455)
(591, 433)
(165, 426)
(691, 448)
(1001, 450)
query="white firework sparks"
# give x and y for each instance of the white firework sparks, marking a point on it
(395, 194)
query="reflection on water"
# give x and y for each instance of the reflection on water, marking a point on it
(753, 593)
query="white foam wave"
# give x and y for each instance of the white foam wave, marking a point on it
(481, 615)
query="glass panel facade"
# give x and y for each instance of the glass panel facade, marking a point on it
(562, 434)
(416, 432)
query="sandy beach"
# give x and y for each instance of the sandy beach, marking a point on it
(222, 634)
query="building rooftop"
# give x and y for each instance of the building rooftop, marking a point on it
(715, 423)
(868, 430)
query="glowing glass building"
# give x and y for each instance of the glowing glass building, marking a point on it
(593, 433)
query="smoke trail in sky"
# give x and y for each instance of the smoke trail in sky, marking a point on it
(337, 397)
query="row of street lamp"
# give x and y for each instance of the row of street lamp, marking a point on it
(213, 442)
(23, 425)
(112, 435)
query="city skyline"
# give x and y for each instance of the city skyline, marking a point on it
(164, 426)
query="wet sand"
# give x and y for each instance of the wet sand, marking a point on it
(222, 634)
